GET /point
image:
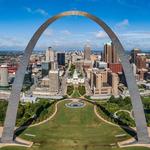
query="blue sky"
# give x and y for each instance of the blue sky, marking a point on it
(19, 19)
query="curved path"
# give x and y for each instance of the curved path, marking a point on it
(29, 144)
(101, 118)
(127, 143)
(44, 121)
(23, 142)
(122, 110)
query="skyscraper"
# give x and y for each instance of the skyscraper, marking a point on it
(113, 80)
(54, 65)
(3, 76)
(141, 61)
(109, 54)
(45, 68)
(98, 82)
(134, 53)
(50, 54)
(87, 52)
(54, 81)
(61, 59)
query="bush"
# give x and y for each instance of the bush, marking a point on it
(40, 110)
(82, 90)
(70, 89)
(3, 108)
(122, 103)
(125, 119)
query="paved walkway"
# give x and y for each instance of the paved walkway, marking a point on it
(123, 110)
(44, 121)
(101, 118)
(29, 144)
(26, 143)
(126, 143)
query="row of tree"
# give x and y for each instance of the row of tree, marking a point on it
(34, 112)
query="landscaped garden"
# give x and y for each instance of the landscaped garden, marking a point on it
(70, 89)
(74, 129)
(76, 91)
(119, 110)
(71, 70)
(29, 113)
(81, 90)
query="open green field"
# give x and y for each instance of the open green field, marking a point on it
(74, 129)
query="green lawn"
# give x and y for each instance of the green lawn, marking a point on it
(73, 129)
(76, 93)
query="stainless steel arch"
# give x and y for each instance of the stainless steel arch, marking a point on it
(10, 120)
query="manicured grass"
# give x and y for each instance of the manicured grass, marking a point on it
(76, 93)
(108, 108)
(74, 129)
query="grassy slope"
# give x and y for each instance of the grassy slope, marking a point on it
(73, 129)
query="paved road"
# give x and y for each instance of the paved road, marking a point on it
(64, 81)
(87, 85)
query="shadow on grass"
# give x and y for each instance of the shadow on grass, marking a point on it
(124, 126)
(26, 124)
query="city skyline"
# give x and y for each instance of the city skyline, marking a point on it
(70, 32)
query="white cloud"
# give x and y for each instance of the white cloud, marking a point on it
(129, 39)
(101, 35)
(66, 32)
(136, 34)
(38, 10)
(123, 23)
(7, 42)
(41, 11)
(48, 32)
(133, 39)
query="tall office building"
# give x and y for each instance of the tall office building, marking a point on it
(98, 82)
(141, 61)
(87, 52)
(61, 59)
(54, 83)
(50, 54)
(3, 76)
(109, 54)
(133, 68)
(104, 82)
(113, 80)
(134, 53)
(54, 65)
(45, 68)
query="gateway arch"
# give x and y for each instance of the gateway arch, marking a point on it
(10, 120)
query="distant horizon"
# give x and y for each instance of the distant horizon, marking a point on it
(144, 51)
